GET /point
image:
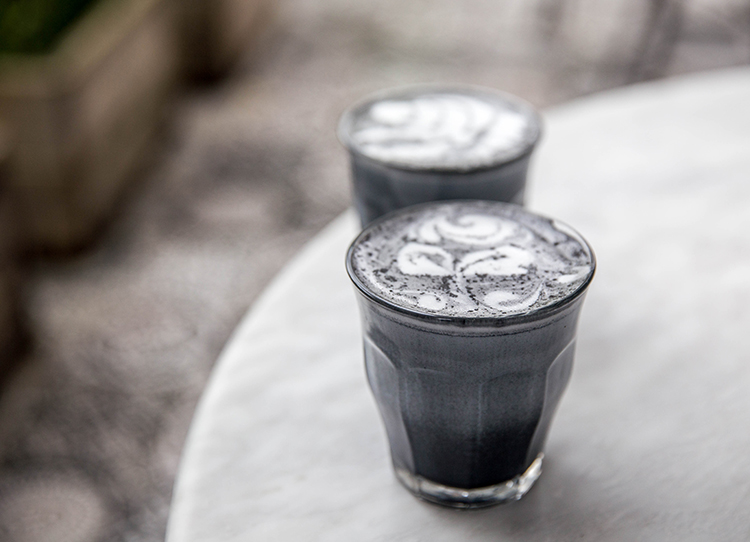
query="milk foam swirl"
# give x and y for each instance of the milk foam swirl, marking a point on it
(470, 259)
(444, 130)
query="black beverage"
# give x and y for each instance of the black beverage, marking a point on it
(421, 144)
(469, 311)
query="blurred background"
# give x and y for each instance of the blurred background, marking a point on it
(160, 160)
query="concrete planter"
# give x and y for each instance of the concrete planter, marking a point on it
(216, 32)
(82, 116)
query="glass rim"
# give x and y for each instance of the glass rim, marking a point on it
(469, 321)
(347, 118)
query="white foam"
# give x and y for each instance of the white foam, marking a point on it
(432, 301)
(506, 302)
(501, 261)
(471, 259)
(417, 259)
(473, 230)
(447, 130)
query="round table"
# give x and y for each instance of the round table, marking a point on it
(652, 439)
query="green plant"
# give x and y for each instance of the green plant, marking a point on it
(33, 26)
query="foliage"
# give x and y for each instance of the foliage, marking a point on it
(33, 26)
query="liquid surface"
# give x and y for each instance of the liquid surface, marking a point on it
(443, 130)
(470, 259)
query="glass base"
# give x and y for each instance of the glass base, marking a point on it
(455, 497)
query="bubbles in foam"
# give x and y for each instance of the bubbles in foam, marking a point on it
(450, 129)
(419, 259)
(470, 259)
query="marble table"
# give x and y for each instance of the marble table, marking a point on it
(652, 439)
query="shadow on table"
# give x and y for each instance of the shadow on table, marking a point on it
(561, 506)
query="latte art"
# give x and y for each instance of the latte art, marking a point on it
(471, 259)
(473, 230)
(453, 130)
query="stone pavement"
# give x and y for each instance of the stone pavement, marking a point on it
(92, 423)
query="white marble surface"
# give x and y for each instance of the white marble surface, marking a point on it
(651, 440)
